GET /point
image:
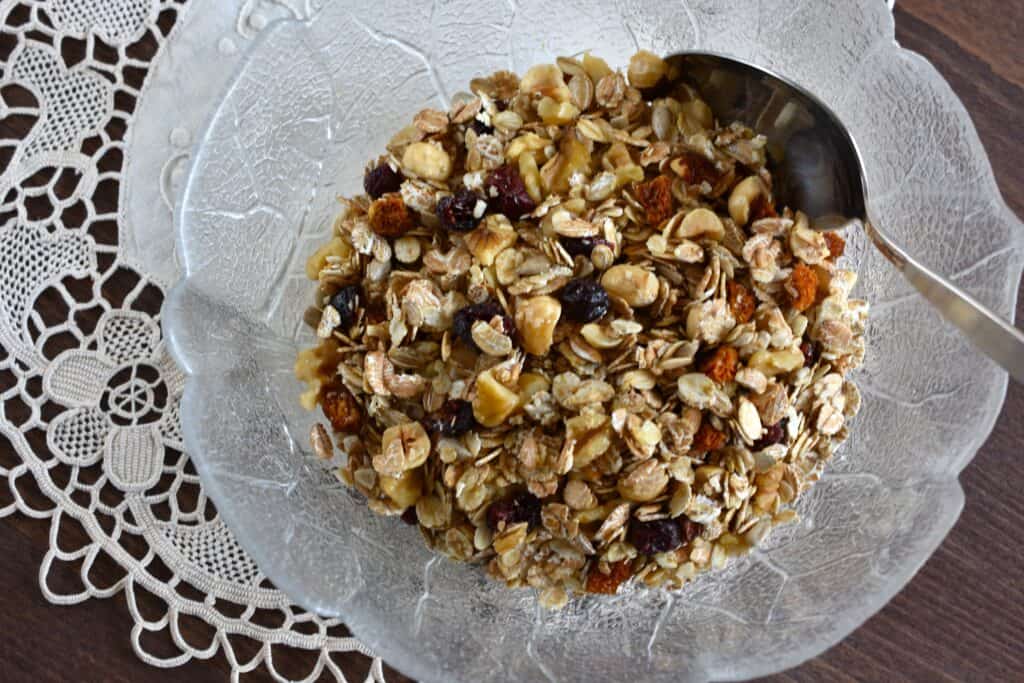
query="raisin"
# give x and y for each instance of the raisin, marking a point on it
(584, 301)
(340, 408)
(811, 353)
(481, 128)
(462, 325)
(836, 245)
(708, 438)
(409, 516)
(608, 584)
(381, 180)
(773, 434)
(346, 303)
(720, 364)
(390, 217)
(802, 286)
(455, 418)
(657, 536)
(656, 198)
(582, 246)
(514, 509)
(691, 530)
(457, 212)
(741, 302)
(508, 193)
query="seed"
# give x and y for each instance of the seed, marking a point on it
(584, 301)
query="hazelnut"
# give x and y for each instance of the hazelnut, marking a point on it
(404, 489)
(493, 402)
(536, 319)
(427, 160)
(490, 238)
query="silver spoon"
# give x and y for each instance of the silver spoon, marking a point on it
(816, 167)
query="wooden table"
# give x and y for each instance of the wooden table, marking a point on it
(959, 619)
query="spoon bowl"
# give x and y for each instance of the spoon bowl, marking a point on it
(817, 167)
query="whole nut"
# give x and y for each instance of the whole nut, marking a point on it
(638, 287)
(772, 363)
(403, 447)
(536, 320)
(645, 483)
(490, 238)
(701, 223)
(428, 161)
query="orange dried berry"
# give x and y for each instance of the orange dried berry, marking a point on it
(762, 208)
(802, 287)
(741, 302)
(836, 245)
(389, 216)
(695, 169)
(708, 438)
(341, 409)
(608, 584)
(656, 198)
(721, 364)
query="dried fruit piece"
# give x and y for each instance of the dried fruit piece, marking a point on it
(695, 169)
(773, 434)
(462, 324)
(608, 584)
(346, 303)
(514, 509)
(690, 529)
(646, 69)
(507, 193)
(582, 246)
(741, 302)
(721, 364)
(836, 245)
(708, 439)
(455, 418)
(656, 198)
(657, 536)
(389, 216)
(811, 351)
(382, 179)
(340, 408)
(802, 287)
(460, 212)
(584, 301)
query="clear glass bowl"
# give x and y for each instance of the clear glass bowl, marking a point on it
(316, 99)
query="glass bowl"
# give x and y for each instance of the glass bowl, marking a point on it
(316, 99)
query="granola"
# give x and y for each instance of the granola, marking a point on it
(568, 333)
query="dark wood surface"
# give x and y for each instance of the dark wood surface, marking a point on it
(959, 619)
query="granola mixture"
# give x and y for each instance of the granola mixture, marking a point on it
(568, 333)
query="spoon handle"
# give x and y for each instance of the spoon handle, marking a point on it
(993, 336)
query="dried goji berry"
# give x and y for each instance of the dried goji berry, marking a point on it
(656, 198)
(608, 584)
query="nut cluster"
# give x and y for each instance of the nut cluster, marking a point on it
(569, 333)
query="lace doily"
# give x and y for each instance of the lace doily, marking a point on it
(106, 106)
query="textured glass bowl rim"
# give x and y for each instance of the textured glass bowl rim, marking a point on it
(394, 652)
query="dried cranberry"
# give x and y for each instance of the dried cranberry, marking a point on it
(691, 530)
(409, 516)
(380, 180)
(515, 509)
(462, 325)
(584, 301)
(507, 193)
(346, 303)
(455, 418)
(774, 434)
(458, 212)
(582, 246)
(481, 128)
(811, 353)
(658, 536)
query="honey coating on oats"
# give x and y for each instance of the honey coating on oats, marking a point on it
(569, 333)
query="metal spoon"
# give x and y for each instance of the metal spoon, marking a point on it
(816, 167)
